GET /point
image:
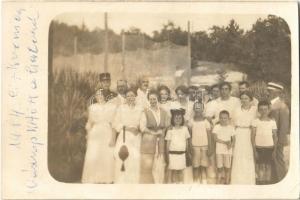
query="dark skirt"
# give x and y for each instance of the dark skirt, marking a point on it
(264, 155)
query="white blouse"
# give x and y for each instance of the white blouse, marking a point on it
(127, 116)
(244, 118)
(101, 113)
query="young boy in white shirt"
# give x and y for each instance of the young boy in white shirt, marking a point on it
(264, 140)
(224, 135)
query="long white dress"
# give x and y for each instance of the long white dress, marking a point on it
(129, 117)
(243, 168)
(99, 157)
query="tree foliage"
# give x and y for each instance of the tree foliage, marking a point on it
(263, 52)
(267, 51)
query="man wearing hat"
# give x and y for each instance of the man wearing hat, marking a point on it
(280, 112)
(105, 83)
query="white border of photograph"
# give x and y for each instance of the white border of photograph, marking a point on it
(17, 175)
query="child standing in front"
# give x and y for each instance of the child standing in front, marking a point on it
(201, 144)
(177, 138)
(224, 135)
(264, 140)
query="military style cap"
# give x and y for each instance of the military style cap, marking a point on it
(104, 76)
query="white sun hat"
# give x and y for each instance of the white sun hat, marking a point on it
(275, 86)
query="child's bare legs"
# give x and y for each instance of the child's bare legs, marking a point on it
(172, 176)
(180, 176)
(203, 174)
(227, 175)
(267, 173)
(264, 173)
(219, 176)
(196, 173)
(168, 177)
(212, 170)
(260, 173)
(177, 176)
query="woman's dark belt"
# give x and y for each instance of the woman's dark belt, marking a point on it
(177, 152)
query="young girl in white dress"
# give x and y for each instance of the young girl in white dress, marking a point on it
(183, 102)
(177, 138)
(127, 124)
(243, 167)
(99, 160)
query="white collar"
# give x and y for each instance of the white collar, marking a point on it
(274, 100)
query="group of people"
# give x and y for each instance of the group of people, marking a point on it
(145, 135)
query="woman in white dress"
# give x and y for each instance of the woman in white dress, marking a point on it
(127, 122)
(243, 167)
(99, 157)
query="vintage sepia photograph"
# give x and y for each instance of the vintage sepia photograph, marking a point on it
(169, 98)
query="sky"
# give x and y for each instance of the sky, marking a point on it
(150, 22)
